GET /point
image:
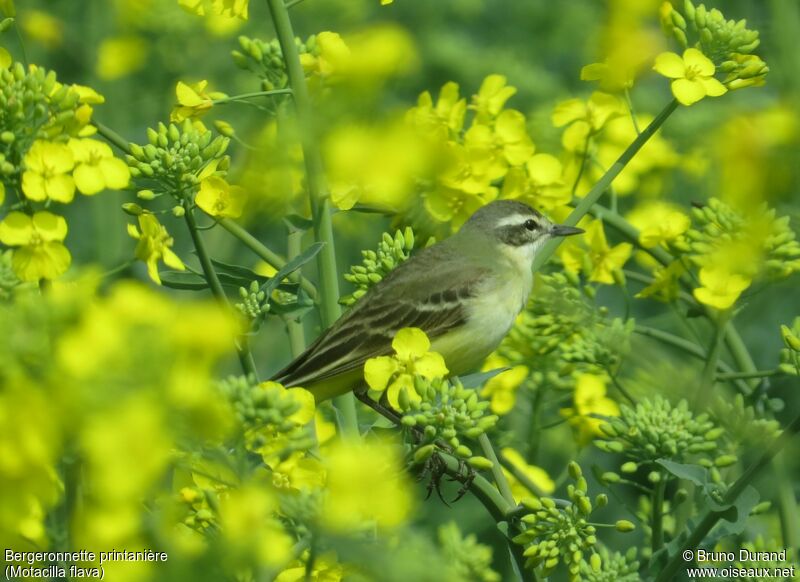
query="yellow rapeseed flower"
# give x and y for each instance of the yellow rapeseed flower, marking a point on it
(218, 198)
(535, 475)
(600, 261)
(658, 222)
(96, 168)
(47, 172)
(154, 245)
(590, 399)
(412, 357)
(492, 97)
(502, 389)
(692, 74)
(366, 484)
(120, 56)
(40, 254)
(42, 27)
(443, 120)
(193, 100)
(719, 287)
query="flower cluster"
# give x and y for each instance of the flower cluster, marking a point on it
(655, 429)
(557, 534)
(732, 247)
(397, 374)
(560, 333)
(45, 155)
(727, 43)
(237, 8)
(490, 156)
(742, 423)
(391, 252)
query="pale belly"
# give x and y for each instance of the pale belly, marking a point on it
(490, 319)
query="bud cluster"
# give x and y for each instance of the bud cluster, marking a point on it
(34, 105)
(728, 43)
(8, 280)
(444, 412)
(615, 567)
(200, 515)
(742, 424)
(266, 409)
(556, 534)
(759, 242)
(179, 156)
(560, 333)
(790, 355)
(470, 560)
(265, 60)
(253, 304)
(655, 429)
(391, 252)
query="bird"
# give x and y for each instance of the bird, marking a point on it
(464, 292)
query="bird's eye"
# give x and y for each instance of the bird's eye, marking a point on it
(530, 224)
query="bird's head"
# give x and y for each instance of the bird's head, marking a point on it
(517, 229)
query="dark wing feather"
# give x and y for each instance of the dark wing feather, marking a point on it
(433, 302)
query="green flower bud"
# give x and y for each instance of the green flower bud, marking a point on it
(725, 460)
(132, 209)
(423, 453)
(624, 526)
(629, 467)
(480, 463)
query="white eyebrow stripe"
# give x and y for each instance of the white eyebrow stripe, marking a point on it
(515, 219)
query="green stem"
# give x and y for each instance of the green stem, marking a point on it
(521, 476)
(499, 478)
(265, 253)
(112, 137)
(709, 376)
(245, 357)
(605, 181)
(245, 96)
(712, 517)
(317, 189)
(657, 514)
(294, 327)
(493, 501)
(749, 375)
(787, 503)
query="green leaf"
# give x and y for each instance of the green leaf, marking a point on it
(736, 515)
(291, 267)
(478, 379)
(297, 222)
(694, 473)
(239, 271)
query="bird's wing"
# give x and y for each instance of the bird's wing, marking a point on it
(433, 303)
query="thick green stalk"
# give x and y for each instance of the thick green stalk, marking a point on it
(318, 195)
(712, 517)
(265, 253)
(294, 327)
(749, 375)
(709, 376)
(657, 514)
(245, 357)
(605, 181)
(497, 471)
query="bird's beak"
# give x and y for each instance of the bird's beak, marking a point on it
(564, 230)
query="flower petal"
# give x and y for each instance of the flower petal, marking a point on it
(378, 371)
(410, 342)
(16, 229)
(699, 62)
(670, 65)
(713, 87)
(89, 179)
(431, 365)
(115, 172)
(688, 91)
(60, 188)
(50, 227)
